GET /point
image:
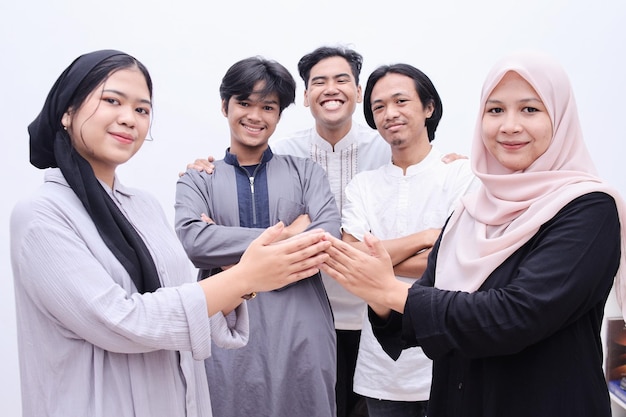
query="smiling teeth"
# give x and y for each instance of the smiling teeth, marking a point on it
(332, 104)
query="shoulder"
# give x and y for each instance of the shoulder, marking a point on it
(294, 143)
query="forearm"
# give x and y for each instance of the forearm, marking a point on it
(414, 266)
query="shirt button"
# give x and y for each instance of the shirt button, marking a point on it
(460, 385)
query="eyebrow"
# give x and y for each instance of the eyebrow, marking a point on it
(110, 90)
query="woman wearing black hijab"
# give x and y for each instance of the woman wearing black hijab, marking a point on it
(111, 320)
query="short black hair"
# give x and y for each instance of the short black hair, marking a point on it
(355, 60)
(423, 85)
(243, 75)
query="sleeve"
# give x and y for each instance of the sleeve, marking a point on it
(68, 279)
(231, 331)
(319, 199)
(354, 218)
(563, 273)
(207, 245)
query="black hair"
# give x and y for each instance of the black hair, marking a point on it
(242, 76)
(355, 60)
(423, 85)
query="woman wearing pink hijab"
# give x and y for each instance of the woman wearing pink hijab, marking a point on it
(510, 306)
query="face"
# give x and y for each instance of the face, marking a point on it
(516, 126)
(398, 112)
(332, 93)
(113, 121)
(252, 121)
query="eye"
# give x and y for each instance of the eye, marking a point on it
(376, 108)
(243, 103)
(530, 109)
(268, 108)
(143, 110)
(494, 110)
(110, 100)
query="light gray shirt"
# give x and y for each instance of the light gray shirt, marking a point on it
(89, 344)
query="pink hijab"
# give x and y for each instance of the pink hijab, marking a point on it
(489, 225)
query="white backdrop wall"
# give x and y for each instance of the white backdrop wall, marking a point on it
(188, 45)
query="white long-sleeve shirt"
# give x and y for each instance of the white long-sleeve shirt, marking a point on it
(89, 344)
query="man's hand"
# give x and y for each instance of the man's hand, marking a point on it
(205, 165)
(451, 157)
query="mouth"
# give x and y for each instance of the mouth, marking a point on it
(513, 145)
(332, 104)
(252, 129)
(393, 127)
(123, 137)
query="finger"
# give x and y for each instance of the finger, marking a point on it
(375, 246)
(270, 234)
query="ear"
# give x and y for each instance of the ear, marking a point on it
(224, 111)
(66, 120)
(306, 99)
(430, 110)
(359, 94)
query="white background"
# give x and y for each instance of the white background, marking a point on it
(188, 45)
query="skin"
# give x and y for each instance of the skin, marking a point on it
(516, 126)
(516, 130)
(332, 96)
(111, 125)
(400, 119)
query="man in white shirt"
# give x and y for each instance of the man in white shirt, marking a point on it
(405, 203)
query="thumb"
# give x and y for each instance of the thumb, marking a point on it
(375, 246)
(270, 234)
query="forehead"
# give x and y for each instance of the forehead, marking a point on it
(393, 84)
(129, 81)
(257, 95)
(331, 66)
(511, 83)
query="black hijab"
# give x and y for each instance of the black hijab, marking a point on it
(51, 147)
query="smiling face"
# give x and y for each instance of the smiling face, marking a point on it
(112, 123)
(398, 112)
(252, 121)
(516, 125)
(332, 94)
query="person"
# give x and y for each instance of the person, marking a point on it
(110, 319)
(510, 306)
(343, 147)
(404, 203)
(288, 366)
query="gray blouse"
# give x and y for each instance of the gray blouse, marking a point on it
(89, 344)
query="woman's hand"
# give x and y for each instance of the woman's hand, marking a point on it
(270, 264)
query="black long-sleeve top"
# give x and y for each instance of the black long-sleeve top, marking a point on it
(527, 343)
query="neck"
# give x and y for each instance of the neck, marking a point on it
(404, 158)
(333, 134)
(248, 156)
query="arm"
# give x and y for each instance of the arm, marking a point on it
(318, 199)
(407, 252)
(208, 245)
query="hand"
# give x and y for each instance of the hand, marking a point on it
(269, 264)
(206, 219)
(369, 275)
(200, 165)
(451, 157)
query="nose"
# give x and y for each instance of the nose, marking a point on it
(331, 89)
(511, 123)
(391, 112)
(127, 116)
